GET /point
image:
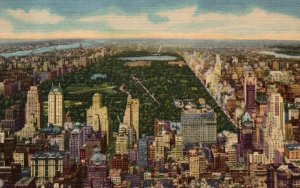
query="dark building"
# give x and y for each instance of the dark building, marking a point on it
(219, 158)
(97, 172)
(282, 176)
(14, 117)
(119, 161)
(142, 155)
(9, 148)
(10, 174)
(250, 91)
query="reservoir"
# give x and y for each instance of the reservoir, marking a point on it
(149, 58)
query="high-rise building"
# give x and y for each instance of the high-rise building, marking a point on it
(14, 117)
(159, 148)
(97, 171)
(56, 106)
(75, 143)
(142, 156)
(28, 131)
(178, 150)
(194, 164)
(97, 115)
(131, 117)
(34, 106)
(122, 144)
(46, 164)
(275, 126)
(277, 111)
(199, 126)
(250, 91)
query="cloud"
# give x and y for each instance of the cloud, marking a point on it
(34, 16)
(5, 27)
(183, 22)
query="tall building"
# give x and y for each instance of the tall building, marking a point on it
(277, 111)
(199, 126)
(250, 91)
(97, 171)
(14, 117)
(34, 106)
(274, 134)
(159, 148)
(28, 131)
(178, 150)
(97, 115)
(197, 163)
(132, 115)
(75, 143)
(122, 144)
(46, 164)
(142, 156)
(56, 106)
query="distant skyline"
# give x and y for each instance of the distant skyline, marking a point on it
(154, 19)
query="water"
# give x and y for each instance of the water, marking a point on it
(99, 75)
(277, 55)
(149, 58)
(85, 44)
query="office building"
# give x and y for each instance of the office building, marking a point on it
(34, 106)
(97, 115)
(198, 126)
(250, 91)
(56, 106)
(132, 114)
(46, 164)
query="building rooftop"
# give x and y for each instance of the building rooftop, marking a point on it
(292, 147)
(24, 181)
(48, 154)
(261, 98)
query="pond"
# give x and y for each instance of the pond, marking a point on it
(149, 58)
(99, 75)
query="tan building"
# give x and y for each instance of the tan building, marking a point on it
(45, 165)
(132, 114)
(178, 150)
(159, 148)
(33, 111)
(28, 131)
(292, 151)
(20, 156)
(197, 163)
(97, 115)
(122, 144)
(56, 106)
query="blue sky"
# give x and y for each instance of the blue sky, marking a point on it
(201, 19)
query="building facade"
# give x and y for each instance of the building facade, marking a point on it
(56, 106)
(198, 126)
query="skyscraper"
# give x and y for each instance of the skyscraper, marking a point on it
(97, 115)
(56, 106)
(75, 143)
(34, 107)
(198, 126)
(277, 111)
(250, 91)
(131, 117)
(142, 156)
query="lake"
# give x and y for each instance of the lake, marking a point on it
(277, 55)
(149, 58)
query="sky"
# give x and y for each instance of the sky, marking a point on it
(178, 19)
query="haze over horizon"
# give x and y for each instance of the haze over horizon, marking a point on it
(150, 19)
